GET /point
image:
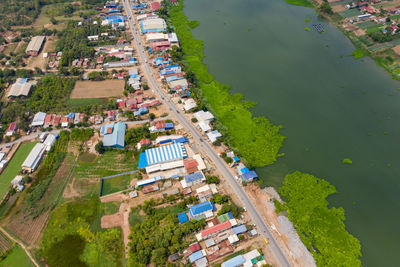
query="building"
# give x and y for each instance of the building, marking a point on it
(240, 229)
(48, 120)
(11, 128)
(193, 179)
(38, 119)
(194, 247)
(182, 217)
(117, 137)
(20, 88)
(249, 176)
(49, 141)
(204, 116)
(32, 161)
(234, 262)
(206, 191)
(152, 25)
(189, 104)
(156, 37)
(196, 256)
(202, 210)
(35, 45)
(162, 154)
(155, 6)
(214, 135)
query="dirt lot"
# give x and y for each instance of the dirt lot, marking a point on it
(98, 89)
(396, 49)
(39, 61)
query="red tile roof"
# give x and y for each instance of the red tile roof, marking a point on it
(145, 142)
(12, 127)
(216, 229)
(191, 165)
(155, 6)
(121, 104)
(48, 118)
(194, 247)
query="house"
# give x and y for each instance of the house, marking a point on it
(249, 176)
(143, 142)
(111, 115)
(194, 247)
(11, 128)
(204, 116)
(234, 262)
(189, 104)
(193, 179)
(191, 165)
(117, 137)
(209, 232)
(64, 122)
(197, 256)
(155, 6)
(182, 217)
(202, 210)
(214, 135)
(173, 257)
(38, 119)
(18, 181)
(206, 191)
(48, 120)
(20, 88)
(49, 141)
(156, 37)
(32, 161)
(35, 45)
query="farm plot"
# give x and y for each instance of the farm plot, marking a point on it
(350, 13)
(98, 89)
(5, 243)
(17, 257)
(14, 167)
(116, 184)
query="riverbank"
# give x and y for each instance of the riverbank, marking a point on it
(217, 98)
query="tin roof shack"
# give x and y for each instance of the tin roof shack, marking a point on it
(11, 128)
(32, 161)
(193, 179)
(35, 45)
(202, 210)
(117, 137)
(21, 88)
(206, 191)
(214, 230)
(150, 188)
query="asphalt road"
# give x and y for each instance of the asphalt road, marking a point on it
(205, 146)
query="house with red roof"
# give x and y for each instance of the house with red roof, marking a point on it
(155, 6)
(11, 128)
(194, 247)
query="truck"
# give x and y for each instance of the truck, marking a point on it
(42, 137)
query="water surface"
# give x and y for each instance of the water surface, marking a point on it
(331, 106)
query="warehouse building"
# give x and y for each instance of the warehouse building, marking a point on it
(32, 161)
(35, 45)
(153, 25)
(114, 136)
(20, 88)
(162, 154)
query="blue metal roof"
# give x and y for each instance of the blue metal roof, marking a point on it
(194, 177)
(117, 138)
(230, 215)
(239, 229)
(143, 161)
(182, 217)
(201, 208)
(169, 125)
(165, 153)
(196, 256)
(236, 159)
(247, 176)
(181, 140)
(234, 262)
(244, 170)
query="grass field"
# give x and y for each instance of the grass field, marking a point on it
(43, 21)
(17, 257)
(116, 184)
(87, 157)
(97, 89)
(350, 13)
(108, 208)
(14, 167)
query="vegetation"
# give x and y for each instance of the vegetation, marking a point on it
(256, 138)
(304, 3)
(51, 94)
(44, 176)
(231, 207)
(320, 228)
(116, 184)
(347, 161)
(159, 235)
(81, 134)
(80, 243)
(358, 53)
(17, 257)
(14, 167)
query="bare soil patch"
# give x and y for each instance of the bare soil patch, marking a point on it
(98, 89)
(359, 32)
(396, 49)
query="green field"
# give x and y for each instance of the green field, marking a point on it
(350, 13)
(14, 167)
(116, 184)
(17, 257)
(299, 3)
(365, 24)
(108, 208)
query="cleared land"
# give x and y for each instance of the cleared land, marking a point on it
(14, 167)
(98, 89)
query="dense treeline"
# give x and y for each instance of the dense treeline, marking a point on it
(51, 94)
(158, 236)
(320, 228)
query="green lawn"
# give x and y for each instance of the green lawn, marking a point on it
(116, 184)
(76, 103)
(14, 167)
(17, 257)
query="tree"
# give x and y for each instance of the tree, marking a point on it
(212, 180)
(99, 147)
(152, 116)
(326, 8)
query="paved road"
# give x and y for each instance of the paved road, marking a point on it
(220, 164)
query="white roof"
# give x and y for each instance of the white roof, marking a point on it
(49, 142)
(172, 38)
(203, 115)
(251, 255)
(20, 88)
(38, 119)
(204, 126)
(200, 161)
(184, 184)
(2, 155)
(203, 189)
(151, 37)
(214, 135)
(233, 239)
(33, 159)
(17, 180)
(181, 82)
(35, 44)
(189, 104)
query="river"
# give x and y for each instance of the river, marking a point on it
(331, 106)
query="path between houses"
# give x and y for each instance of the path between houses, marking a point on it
(21, 244)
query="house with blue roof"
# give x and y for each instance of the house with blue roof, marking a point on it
(240, 229)
(182, 217)
(115, 137)
(202, 210)
(193, 179)
(249, 176)
(196, 256)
